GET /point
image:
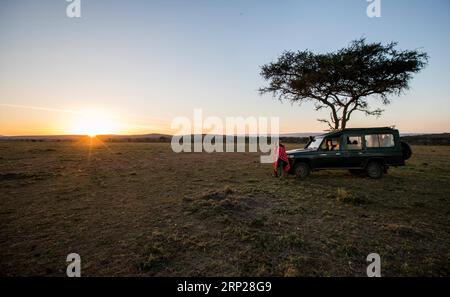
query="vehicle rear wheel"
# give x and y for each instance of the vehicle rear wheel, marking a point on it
(375, 170)
(302, 170)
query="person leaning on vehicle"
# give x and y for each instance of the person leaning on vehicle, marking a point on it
(282, 162)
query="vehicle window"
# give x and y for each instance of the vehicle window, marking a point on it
(372, 140)
(315, 143)
(386, 140)
(354, 142)
(379, 140)
(331, 144)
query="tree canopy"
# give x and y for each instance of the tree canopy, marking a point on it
(343, 81)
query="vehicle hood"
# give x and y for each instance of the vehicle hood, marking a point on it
(299, 152)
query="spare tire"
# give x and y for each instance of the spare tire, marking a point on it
(406, 151)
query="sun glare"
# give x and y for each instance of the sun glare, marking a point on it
(93, 123)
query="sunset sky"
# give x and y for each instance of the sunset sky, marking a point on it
(130, 67)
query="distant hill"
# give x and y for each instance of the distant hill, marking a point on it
(41, 138)
(428, 139)
(154, 137)
(301, 135)
(108, 138)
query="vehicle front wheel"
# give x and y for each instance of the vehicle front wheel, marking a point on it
(375, 170)
(302, 170)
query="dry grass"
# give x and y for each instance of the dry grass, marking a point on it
(139, 209)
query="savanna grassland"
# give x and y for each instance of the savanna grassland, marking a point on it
(138, 209)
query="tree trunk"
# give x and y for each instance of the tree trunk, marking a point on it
(343, 123)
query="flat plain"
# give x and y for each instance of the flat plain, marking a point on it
(138, 209)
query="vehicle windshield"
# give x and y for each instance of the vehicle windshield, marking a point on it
(314, 144)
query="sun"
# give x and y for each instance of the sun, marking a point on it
(93, 123)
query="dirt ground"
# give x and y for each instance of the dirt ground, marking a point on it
(132, 209)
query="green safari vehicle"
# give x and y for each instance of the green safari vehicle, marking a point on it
(363, 151)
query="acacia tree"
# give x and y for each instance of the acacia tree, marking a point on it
(343, 81)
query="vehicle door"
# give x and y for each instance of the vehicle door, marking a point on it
(353, 151)
(329, 153)
(382, 146)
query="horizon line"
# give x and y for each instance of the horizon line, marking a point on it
(166, 134)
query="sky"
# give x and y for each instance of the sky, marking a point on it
(131, 67)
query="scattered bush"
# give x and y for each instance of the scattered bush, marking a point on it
(345, 196)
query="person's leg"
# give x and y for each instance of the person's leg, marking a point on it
(280, 168)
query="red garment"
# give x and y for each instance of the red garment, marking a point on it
(283, 157)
